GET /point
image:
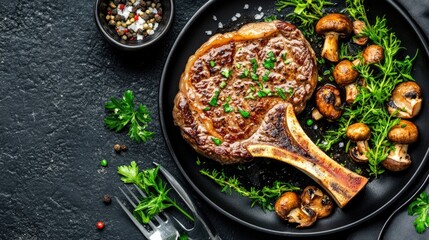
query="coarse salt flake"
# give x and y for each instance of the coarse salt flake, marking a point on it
(150, 32)
(238, 15)
(220, 25)
(234, 18)
(139, 37)
(259, 8)
(259, 16)
(209, 32)
(246, 6)
(341, 144)
(214, 18)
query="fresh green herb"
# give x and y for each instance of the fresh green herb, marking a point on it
(266, 76)
(254, 65)
(264, 198)
(420, 208)
(226, 73)
(309, 122)
(238, 65)
(284, 55)
(123, 113)
(216, 141)
(369, 106)
(281, 93)
(152, 185)
(254, 76)
(206, 108)
(244, 113)
(198, 162)
(270, 61)
(213, 101)
(226, 107)
(245, 73)
(222, 84)
(264, 92)
(212, 63)
(305, 13)
(270, 18)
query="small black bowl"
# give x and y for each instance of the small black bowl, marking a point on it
(100, 11)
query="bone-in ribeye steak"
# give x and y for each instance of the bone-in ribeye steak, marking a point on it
(234, 79)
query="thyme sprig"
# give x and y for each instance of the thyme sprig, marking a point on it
(380, 80)
(305, 13)
(264, 197)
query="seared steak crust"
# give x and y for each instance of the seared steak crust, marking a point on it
(234, 79)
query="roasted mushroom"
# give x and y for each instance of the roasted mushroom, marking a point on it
(373, 54)
(358, 27)
(285, 204)
(360, 134)
(319, 202)
(333, 26)
(345, 75)
(402, 134)
(304, 216)
(328, 102)
(406, 100)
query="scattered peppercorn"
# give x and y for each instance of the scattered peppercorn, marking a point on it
(139, 18)
(124, 148)
(100, 225)
(107, 199)
(103, 163)
(117, 148)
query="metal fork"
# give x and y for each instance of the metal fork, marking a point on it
(202, 228)
(165, 230)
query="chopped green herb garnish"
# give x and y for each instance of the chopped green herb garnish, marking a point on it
(213, 101)
(222, 84)
(244, 113)
(264, 92)
(270, 61)
(284, 54)
(216, 141)
(266, 76)
(255, 76)
(254, 65)
(206, 108)
(226, 107)
(238, 65)
(123, 113)
(281, 93)
(226, 73)
(245, 73)
(212, 63)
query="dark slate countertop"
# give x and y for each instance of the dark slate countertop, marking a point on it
(56, 73)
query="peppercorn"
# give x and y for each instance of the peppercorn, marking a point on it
(117, 147)
(112, 5)
(112, 22)
(124, 148)
(103, 163)
(100, 225)
(107, 199)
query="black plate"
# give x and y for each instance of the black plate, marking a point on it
(377, 195)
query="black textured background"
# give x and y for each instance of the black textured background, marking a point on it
(56, 73)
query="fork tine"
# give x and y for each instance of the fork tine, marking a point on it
(150, 223)
(133, 219)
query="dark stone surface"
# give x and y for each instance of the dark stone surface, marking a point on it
(56, 72)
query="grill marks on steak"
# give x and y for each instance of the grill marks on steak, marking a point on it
(294, 72)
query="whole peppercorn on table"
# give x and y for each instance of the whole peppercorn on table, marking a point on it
(58, 161)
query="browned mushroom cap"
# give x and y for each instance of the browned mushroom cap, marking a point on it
(304, 216)
(333, 26)
(359, 133)
(319, 202)
(344, 73)
(328, 102)
(402, 134)
(373, 54)
(406, 100)
(358, 27)
(285, 204)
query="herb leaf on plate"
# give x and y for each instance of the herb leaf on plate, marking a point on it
(153, 186)
(420, 208)
(123, 113)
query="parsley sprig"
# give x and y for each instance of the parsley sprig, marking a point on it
(123, 113)
(157, 199)
(420, 208)
(264, 197)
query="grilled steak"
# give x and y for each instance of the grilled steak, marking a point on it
(234, 79)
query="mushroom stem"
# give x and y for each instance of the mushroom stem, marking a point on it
(330, 47)
(362, 146)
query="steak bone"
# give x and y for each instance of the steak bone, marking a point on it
(282, 138)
